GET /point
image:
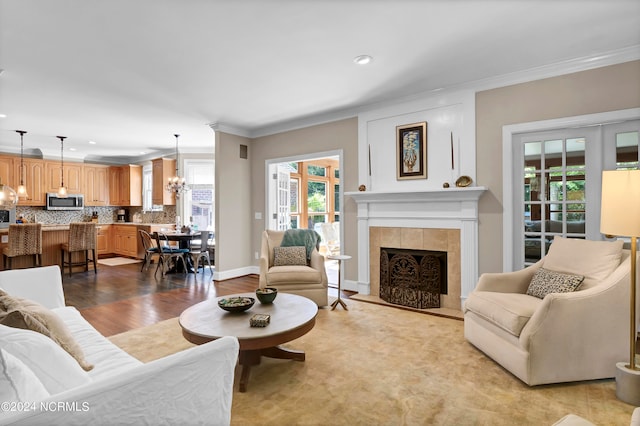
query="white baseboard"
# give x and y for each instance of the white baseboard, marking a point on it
(234, 273)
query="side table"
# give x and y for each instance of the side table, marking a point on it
(339, 258)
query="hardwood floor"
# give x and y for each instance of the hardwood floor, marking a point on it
(121, 298)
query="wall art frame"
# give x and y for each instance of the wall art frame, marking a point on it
(411, 151)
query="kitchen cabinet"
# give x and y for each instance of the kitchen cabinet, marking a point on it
(34, 180)
(72, 176)
(125, 185)
(162, 170)
(103, 243)
(6, 172)
(96, 185)
(125, 240)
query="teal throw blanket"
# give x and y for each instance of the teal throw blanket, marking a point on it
(308, 238)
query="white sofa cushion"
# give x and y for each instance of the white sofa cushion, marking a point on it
(107, 358)
(27, 314)
(56, 369)
(509, 311)
(595, 260)
(17, 382)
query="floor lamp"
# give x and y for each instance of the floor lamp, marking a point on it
(620, 215)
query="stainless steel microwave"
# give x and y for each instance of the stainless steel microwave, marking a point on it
(71, 202)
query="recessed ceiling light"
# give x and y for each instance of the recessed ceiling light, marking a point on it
(72, 149)
(3, 115)
(92, 142)
(362, 59)
(142, 152)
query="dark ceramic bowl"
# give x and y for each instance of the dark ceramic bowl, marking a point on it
(267, 294)
(236, 304)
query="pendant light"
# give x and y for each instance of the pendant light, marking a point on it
(22, 190)
(62, 191)
(177, 184)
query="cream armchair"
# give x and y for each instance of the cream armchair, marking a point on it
(304, 280)
(562, 337)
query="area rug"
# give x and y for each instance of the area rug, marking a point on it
(117, 261)
(378, 365)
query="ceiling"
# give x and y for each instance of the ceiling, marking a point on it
(128, 74)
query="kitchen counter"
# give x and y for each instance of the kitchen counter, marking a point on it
(108, 241)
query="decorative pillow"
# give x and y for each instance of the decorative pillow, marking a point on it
(545, 282)
(17, 382)
(54, 367)
(294, 255)
(593, 259)
(23, 313)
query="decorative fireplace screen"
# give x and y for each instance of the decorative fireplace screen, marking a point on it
(413, 278)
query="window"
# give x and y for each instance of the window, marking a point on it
(147, 190)
(198, 203)
(557, 176)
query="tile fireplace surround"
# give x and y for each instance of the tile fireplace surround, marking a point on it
(443, 220)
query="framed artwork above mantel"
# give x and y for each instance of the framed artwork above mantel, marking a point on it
(411, 151)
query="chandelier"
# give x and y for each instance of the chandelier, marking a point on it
(177, 184)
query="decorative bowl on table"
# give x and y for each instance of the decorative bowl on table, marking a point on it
(266, 295)
(236, 304)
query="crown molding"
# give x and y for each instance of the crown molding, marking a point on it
(568, 66)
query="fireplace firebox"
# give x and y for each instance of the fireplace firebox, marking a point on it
(413, 278)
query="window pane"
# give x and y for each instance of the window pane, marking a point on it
(336, 198)
(627, 150)
(294, 222)
(316, 196)
(293, 195)
(294, 167)
(336, 173)
(316, 171)
(316, 219)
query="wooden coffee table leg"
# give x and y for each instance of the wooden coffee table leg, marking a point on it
(283, 353)
(247, 359)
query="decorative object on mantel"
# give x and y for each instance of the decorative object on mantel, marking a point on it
(362, 188)
(411, 152)
(62, 191)
(22, 190)
(463, 181)
(445, 185)
(177, 184)
(620, 208)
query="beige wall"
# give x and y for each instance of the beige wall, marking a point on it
(604, 89)
(233, 206)
(333, 136)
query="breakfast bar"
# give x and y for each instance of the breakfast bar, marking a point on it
(108, 242)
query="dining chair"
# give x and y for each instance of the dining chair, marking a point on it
(168, 254)
(201, 252)
(150, 249)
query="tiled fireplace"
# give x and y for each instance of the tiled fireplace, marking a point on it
(440, 220)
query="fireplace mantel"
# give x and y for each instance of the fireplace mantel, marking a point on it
(445, 195)
(446, 208)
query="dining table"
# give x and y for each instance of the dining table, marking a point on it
(184, 242)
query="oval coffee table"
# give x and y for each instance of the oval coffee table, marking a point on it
(292, 316)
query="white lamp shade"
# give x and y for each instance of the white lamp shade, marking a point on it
(620, 207)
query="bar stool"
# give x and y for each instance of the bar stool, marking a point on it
(82, 238)
(24, 240)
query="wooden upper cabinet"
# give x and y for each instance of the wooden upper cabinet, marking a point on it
(96, 185)
(72, 177)
(7, 173)
(125, 185)
(162, 170)
(34, 180)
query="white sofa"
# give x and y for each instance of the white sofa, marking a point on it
(190, 387)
